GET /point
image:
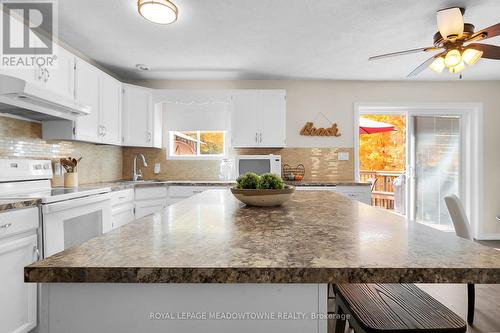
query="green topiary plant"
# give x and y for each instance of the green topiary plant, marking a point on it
(270, 181)
(249, 180)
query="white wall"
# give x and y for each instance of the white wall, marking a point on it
(336, 100)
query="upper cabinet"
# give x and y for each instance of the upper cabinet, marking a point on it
(87, 127)
(141, 121)
(110, 115)
(258, 118)
(102, 93)
(60, 80)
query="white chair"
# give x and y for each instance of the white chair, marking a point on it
(462, 229)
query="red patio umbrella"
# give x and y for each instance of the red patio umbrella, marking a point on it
(368, 126)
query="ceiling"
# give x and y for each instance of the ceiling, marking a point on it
(269, 39)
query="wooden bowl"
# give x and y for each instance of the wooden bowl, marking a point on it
(263, 198)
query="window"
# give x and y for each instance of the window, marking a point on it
(197, 144)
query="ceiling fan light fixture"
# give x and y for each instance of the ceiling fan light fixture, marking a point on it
(438, 65)
(452, 58)
(450, 23)
(458, 68)
(158, 11)
(471, 56)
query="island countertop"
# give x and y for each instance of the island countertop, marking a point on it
(317, 237)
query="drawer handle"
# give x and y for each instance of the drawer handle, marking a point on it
(121, 198)
(5, 226)
(197, 191)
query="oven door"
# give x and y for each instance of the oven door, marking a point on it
(72, 222)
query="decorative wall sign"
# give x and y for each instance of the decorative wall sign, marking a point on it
(310, 130)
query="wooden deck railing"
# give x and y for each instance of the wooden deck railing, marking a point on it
(382, 188)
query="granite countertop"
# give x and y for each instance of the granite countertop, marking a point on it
(317, 237)
(10, 204)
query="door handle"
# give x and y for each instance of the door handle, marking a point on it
(36, 253)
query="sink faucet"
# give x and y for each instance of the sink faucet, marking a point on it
(136, 175)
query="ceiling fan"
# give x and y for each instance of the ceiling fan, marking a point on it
(456, 42)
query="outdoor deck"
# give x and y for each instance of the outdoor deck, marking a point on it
(382, 188)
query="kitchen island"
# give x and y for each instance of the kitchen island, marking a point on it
(212, 254)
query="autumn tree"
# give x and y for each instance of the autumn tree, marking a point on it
(386, 150)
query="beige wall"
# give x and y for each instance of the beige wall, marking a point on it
(335, 99)
(22, 139)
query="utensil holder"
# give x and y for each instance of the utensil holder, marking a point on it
(71, 179)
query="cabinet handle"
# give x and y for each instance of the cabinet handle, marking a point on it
(256, 136)
(47, 75)
(40, 71)
(99, 130)
(5, 226)
(260, 137)
(498, 218)
(104, 131)
(197, 191)
(149, 137)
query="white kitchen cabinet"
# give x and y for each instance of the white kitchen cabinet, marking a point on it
(87, 94)
(122, 207)
(258, 118)
(149, 200)
(141, 122)
(59, 79)
(359, 193)
(110, 115)
(102, 93)
(18, 248)
(177, 193)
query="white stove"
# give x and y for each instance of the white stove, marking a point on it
(69, 216)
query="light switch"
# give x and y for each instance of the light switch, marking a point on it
(343, 156)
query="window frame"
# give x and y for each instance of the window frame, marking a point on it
(198, 156)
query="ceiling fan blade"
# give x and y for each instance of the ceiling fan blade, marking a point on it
(489, 51)
(394, 54)
(424, 65)
(489, 32)
(450, 22)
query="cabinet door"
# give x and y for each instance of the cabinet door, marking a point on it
(19, 300)
(137, 113)
(110, 110)
(272, 113)
(60, 79)
(87, 94)
(147, 207)
(244, 120)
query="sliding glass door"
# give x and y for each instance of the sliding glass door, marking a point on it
(434, 167)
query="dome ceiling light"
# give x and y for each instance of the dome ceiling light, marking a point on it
(158, 11)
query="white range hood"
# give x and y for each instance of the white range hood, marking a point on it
(28, 100)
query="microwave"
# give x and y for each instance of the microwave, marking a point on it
(258, 164)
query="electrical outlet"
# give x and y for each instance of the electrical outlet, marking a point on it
(343, 156)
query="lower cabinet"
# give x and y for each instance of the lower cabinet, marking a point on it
(149, 200)
(359, 193)
(177, 193)
(18, 248)
(122, 207)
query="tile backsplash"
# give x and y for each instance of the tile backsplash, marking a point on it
(22, 139)
(100, 163)
(321, 164)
